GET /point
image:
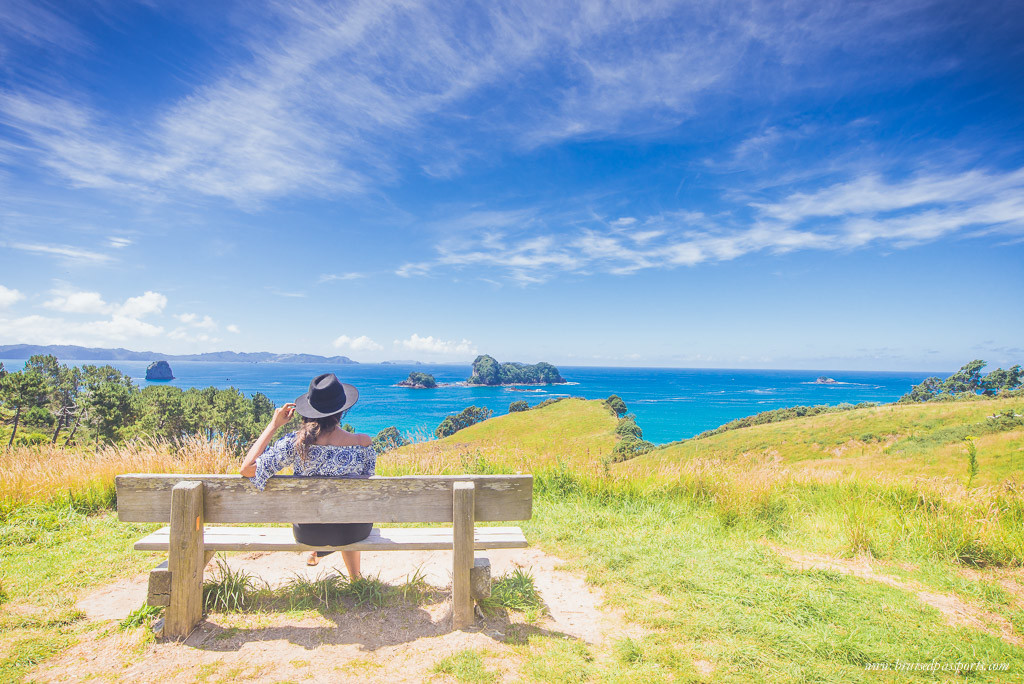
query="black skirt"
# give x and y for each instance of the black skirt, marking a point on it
(331, 534)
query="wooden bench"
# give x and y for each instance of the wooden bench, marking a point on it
(189, 502)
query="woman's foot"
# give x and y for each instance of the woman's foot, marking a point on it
(313, 559)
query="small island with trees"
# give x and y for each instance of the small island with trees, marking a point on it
(487, 371)
(419, 381)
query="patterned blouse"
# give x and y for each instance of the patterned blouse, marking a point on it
(323, 459)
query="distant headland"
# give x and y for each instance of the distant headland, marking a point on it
(68, 352)
(487, 371)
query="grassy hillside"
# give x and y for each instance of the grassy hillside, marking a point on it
(573, 432)
(897, 440)
(817, 549)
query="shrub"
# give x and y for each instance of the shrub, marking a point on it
(517, 406)
(457, 421)
(549, 402)
(630, 447)
(616, 405)
(627, 426)
(387, 439)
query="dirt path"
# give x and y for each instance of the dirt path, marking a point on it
(955, 610)
(395, 644)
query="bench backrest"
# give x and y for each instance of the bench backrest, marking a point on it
(414, 498)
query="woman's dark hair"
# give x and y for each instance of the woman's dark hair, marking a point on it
(312, 428)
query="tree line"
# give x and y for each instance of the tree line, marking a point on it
(50, 402)
(967, 382)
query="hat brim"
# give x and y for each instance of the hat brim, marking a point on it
(306, 410)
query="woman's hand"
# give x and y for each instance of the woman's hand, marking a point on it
(282, 416)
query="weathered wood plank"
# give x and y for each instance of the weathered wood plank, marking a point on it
(386, 539)
(159, 590)
(462, 562)
(480, 578)
(185, 559)
(233, 499)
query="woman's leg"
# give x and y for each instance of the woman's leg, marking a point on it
(351, 559)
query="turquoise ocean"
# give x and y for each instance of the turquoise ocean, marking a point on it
(669, 403)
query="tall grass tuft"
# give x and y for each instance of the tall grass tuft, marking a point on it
(83, 478)
(230, 591)
(513, 591)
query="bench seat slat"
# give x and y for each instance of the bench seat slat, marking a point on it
(380, 539)
(413, 498)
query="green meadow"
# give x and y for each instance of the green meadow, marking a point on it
(818, 549)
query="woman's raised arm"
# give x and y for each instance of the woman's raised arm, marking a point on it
(280, 419)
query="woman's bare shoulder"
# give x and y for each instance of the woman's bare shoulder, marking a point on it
(343, 438)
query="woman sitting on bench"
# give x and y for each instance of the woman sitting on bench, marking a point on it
(320, 447)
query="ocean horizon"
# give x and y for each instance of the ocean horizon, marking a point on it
(669, 403)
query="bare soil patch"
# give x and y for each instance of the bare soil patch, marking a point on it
(397, 643)
(955, 610)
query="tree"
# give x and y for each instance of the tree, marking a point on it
(22, 391)
(262, 410)
(1000, 379)
(627, 426)
(232, 418)
(457, 421)
(62, 389)
(388, 439)
(616, 404)
(112, 401)
(517, 406)
(967, 379)
(164, 411)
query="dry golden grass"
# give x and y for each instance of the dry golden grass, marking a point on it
(44, 473)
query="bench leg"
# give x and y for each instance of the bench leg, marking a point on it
(462, 532)
(186, 559)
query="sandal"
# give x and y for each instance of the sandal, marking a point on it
(313, 559)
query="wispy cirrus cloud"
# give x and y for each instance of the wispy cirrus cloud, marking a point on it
(330, 101)
(64, 252)
(848, 215)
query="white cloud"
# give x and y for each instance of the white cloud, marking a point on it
(65, 252)
(118, 242)
(195, 321)
(80, 303)
(324, 100)
(432, 345)
(9, 297)
(232, 328)
(332, 277)
(143, 305)
(117, 330)
(361, 343)
(863, 211)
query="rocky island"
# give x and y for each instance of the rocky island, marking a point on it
(159, 370)
(825, 381)
(419, 381)
(487, 371)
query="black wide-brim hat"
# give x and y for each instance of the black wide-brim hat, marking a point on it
(327, 396)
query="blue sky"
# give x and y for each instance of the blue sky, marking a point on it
(776, 185)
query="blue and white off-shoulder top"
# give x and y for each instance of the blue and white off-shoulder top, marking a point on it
(323, 460)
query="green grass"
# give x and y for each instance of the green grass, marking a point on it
(232, 591)
(465, 666)
(894, 439)
(513, 591)
(717, 592)
(680, 540)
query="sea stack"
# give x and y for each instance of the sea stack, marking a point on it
(419, 381)
(825, 381)
(159, 370)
